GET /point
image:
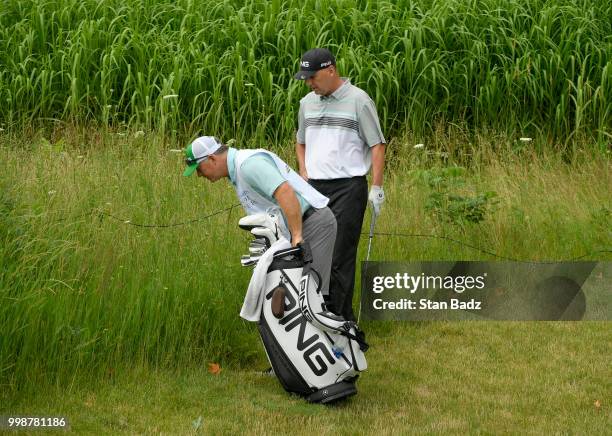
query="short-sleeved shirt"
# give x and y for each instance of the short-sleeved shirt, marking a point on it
(262, 174)
(338, 131)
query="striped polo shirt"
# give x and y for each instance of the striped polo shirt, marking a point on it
(338, 131)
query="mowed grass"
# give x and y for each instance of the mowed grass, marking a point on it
(457, 378)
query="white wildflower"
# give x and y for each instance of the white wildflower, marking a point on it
(525, 139)
(419, 146)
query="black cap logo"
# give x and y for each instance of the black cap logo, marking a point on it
(314, 60)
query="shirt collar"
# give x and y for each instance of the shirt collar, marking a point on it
(231, 165)
(340, 92)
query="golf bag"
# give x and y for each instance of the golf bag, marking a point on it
(313, 352)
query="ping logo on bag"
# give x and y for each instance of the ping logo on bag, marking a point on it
(302, 298)
(294, 318)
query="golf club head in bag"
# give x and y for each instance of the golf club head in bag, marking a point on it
(314, 353)
(265, 227)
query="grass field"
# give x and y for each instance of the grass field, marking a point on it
(87, 291)
(120, 280)
(451, 378)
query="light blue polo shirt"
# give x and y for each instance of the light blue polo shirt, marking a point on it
(261, 173)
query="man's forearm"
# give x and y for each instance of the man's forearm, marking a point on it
(378, 164)
(288, 202)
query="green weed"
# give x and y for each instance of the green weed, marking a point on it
(182, 68)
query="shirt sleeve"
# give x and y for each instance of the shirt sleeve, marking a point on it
(301, 133)
(260, 172)
(369, 126)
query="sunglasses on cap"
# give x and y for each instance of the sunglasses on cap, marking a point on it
(192, 160)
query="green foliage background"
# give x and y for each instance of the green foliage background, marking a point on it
(531, 67)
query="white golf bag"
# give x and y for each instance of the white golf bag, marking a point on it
(313, 352)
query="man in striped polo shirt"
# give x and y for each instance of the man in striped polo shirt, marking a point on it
(338, 140)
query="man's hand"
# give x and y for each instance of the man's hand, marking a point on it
(306, 253)
(300, 152)
(376, 198)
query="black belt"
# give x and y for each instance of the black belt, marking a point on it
(308, 212)
(338, 180)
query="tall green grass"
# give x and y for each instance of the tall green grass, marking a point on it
(535, 67)
(83, 293)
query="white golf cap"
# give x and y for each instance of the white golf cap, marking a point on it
(198, 150)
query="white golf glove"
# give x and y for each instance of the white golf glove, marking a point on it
(377, 198)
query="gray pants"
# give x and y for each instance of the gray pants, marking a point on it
(319, 230)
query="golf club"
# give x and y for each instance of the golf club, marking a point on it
(371, 235)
